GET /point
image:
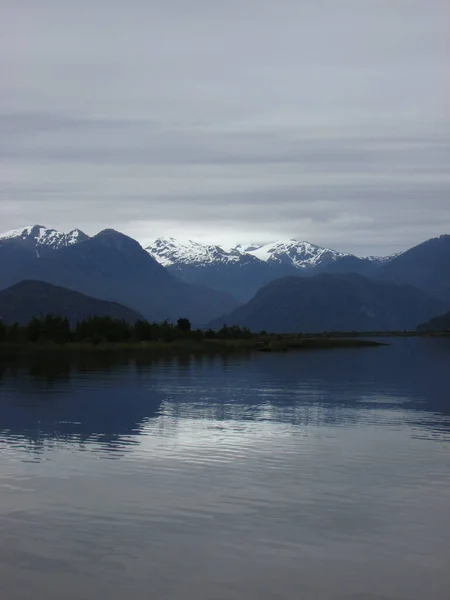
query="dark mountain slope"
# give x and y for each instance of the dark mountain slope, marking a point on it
(349, 264)
(333, 303)
(439, 323)
(28, 299)
(241, 279)
(114, 267)
(16, 257)
(426, 266)
(244, 278)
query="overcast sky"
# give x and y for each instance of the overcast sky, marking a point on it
(234, 121)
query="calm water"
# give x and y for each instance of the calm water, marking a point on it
(320, 475)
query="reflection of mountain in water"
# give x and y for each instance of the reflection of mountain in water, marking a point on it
(108, 399)
(323, 387)
(75, 398)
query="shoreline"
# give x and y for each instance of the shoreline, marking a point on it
(258, 344)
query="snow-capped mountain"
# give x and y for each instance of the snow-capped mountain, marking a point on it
(246, 248)
(169, 252)
(241, 270)
(225, 269)
(111, 266)
(40, 236)
(382, 260)
(299, 254)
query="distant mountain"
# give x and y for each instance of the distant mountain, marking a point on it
(301, 255)
(111, 266)
(230, 271)
(232, 274)
(41, 237)
(349, 264)
(169, 252)
(243, 270)
(333, 303)
(381, 260)
(440, 323)
(309, 259)
(426, 266)
(27, 299)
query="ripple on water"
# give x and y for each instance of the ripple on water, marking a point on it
(316, 475)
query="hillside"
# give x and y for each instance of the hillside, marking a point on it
(426, 266)
(114, 267)
(333, 303)
(439, 323)
(27, 299)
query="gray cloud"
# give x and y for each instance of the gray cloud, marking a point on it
(231, 121)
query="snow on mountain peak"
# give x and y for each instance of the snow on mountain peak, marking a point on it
(300, 254)
(169, 251)
(245, 248)
(75, 237)
(22, 233)
(381, 260)
(41, 236)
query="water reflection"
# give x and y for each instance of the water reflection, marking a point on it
(110, 398)
(315, 475)
(55, 398)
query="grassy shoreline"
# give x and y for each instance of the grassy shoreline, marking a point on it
(258, 344)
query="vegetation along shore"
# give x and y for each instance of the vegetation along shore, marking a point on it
(105, 333)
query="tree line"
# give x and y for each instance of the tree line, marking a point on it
(96, 330)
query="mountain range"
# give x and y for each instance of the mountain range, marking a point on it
(109, 266)
(244, 269)
(42, 237)
(206, 282)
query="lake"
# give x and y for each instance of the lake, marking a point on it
(320, 475)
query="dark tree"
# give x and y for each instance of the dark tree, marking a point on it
(184, 325)
(3, 331)
(143, 331)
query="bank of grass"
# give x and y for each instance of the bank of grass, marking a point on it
(267, 343)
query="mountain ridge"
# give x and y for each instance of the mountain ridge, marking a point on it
(168, 251)
(333, 302)
(426, 266)
(238, 271)
(243, 269)
(39, 236)
(114, 267)
(31, 298)
(298, 253)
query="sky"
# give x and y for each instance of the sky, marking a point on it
(239, 121)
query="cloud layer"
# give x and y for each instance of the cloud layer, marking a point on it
(238, 121)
